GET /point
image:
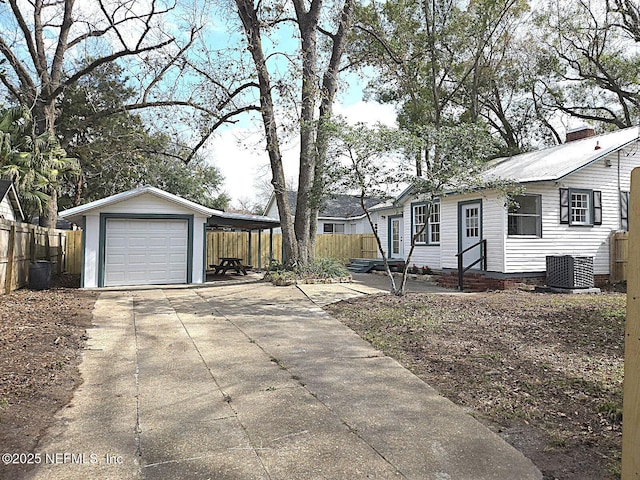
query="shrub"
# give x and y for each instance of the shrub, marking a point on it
(321, 268)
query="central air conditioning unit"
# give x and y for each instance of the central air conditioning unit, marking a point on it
(568, 271)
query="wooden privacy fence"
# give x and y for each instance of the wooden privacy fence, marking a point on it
(22, 243)
(618, 256)
(236, 244)
(74, 252)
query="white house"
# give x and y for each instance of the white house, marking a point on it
(574, 196)
(148, 236)
(338, 214)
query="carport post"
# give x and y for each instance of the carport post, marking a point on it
(631, 394)
(259, 250)
(249, 259)
(270, 244)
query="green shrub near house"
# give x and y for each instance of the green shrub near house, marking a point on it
(320, 270)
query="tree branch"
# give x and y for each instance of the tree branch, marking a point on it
(171, 62)
(17, 66)
(222, 120)
(27, 37)
(109, 58)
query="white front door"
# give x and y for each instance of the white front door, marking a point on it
(397, 249)
(470, 232)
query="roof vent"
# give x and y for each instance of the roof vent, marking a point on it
(579, 133)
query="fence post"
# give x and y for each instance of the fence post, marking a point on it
(631, 401)
(47, 245)
(60, 253)
(8, 281)
(32, 244)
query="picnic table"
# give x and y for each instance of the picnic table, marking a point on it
(229, 263)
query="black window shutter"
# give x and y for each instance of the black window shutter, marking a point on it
(597, 207)
(624, 210)
(564, 205)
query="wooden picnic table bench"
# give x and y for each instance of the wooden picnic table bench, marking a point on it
(229, 263)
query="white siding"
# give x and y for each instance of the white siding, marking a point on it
(528, 254)
(382, 217)
(423, 255)
(6, 209)
(91, 242)
(493, 228)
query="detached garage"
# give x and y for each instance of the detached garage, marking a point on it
(142, 237)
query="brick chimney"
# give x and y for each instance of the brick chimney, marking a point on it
(579, 133)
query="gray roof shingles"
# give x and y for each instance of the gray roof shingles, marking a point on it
(338, 206)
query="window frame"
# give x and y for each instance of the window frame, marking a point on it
(537, 215)
(594, 209)
(624, 210)
(429, 231)
(333, 228)
(588, 210)
(431, 224)
(415, 224)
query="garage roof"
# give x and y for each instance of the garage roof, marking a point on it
(217, 218)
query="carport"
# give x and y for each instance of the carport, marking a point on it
(246, 223)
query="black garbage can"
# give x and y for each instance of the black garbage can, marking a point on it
(40, 275)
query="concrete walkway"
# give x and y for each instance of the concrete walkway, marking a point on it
(256, 382)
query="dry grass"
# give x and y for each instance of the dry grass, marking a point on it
(543, 370)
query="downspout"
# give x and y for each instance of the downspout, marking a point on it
(619, 196)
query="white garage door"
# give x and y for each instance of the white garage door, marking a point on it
(145, 252)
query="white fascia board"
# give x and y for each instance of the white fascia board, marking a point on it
(120, 197)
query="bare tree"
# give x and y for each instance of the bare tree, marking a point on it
(48, 45)
(588, 62)
(316, 97)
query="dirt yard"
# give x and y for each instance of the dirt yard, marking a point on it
(41, 336)
(544, 371)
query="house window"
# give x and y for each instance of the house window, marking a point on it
(580, 207)
(419, 219)
(333, 228)
(434, 223)
(431, 232)
(624, 211)
(472, 222)
(525, 216)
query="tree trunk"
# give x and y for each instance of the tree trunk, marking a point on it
(307, 24)
(328, 93)
(251, 24)
(45, 121)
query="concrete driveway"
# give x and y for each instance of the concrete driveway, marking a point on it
(255, 382)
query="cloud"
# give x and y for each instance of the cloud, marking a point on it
(367, 112)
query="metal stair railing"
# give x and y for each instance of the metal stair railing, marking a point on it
(462, 270)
